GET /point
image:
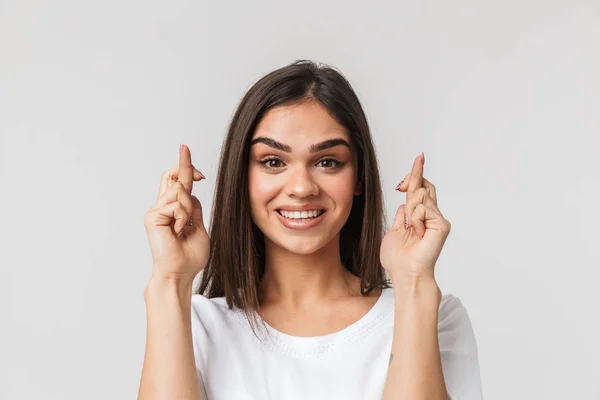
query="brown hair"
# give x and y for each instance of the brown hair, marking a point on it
(237, 249)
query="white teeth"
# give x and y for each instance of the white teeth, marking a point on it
(300, 214)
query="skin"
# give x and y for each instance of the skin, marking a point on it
(302, 267)
(180, 248)
(409, 252)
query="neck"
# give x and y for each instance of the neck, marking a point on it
(298, 281)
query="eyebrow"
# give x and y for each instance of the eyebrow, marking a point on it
(327, 144)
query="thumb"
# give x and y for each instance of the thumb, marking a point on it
(197, 213)
(398, 224)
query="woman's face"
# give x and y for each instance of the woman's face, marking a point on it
(285, 173)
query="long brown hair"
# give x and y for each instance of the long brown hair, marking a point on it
(237, 250)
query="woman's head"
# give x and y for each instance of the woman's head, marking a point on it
(301, 158)
(267, 165)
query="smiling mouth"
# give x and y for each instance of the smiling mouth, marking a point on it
(300, 215)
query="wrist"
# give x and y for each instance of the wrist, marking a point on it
(422, 290)
(162, 286)
(403, 278)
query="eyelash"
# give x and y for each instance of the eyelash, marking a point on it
(338, 163)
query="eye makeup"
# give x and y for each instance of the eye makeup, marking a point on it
(336, 164)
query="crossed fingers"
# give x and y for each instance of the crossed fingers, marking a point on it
(418, 191)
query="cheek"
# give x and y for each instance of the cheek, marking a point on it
(340, 187)
(261, 189)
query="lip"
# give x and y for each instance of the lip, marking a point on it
(300, 225)
(304, 207)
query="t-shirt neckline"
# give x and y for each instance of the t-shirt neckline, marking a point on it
(317, 346)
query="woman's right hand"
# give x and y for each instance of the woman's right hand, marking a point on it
(179, 242)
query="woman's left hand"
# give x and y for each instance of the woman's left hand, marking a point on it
(409, 252)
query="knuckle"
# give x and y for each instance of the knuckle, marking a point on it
(178, 186)
(182, 193)
(177, 206)
(196, 202)
(448, 226)
(149, 218)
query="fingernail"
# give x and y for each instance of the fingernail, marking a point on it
(400, 184)
(201, 175)
(423, 154)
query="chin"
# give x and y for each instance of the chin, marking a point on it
(300, 245)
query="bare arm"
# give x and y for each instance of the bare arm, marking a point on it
(169, 370)
(415, 370)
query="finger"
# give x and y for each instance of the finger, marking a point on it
(185, 168)
(427, 217)
(400, 218)
(416, 177)
(176, 193)
(165, 215)
(430, 187)
(175, 173)
(417, 219)
(426, 184)
(197, 218)
(171, 175)
(403, 184)
(421, 196)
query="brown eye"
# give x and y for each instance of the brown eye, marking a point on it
(331, 163)
(271, 163)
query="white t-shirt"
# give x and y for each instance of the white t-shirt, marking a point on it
(232, 364)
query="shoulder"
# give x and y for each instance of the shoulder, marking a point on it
(449, 305)
(458, 350)
(211, 311)
(211, 317)
(455, 332)
(215, 304)
(452, 315)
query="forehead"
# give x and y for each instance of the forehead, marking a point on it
(300, 125)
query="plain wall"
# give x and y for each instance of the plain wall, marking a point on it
(95, 98)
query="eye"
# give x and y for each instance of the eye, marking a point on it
(276, 163)
(336, 163)
(270, 163)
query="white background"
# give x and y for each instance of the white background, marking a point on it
(95, 97)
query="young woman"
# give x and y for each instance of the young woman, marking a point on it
(303, 295)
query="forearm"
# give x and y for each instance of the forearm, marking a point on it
(415, 370)
(169, 370)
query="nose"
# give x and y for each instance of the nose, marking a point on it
(301, 184)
